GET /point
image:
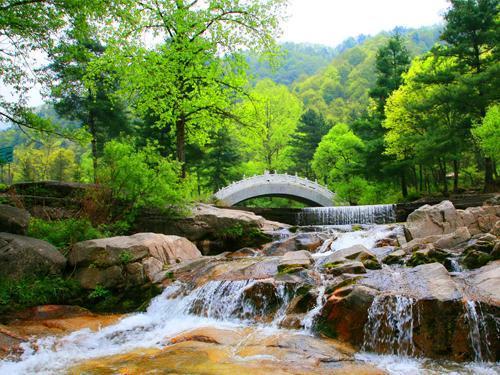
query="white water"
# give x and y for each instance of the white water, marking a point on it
(338, 215)
(310, 317)
(390, 326)
(478, 332)
(366, 236)
(220, 303)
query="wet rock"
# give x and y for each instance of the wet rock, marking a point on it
(10, 342)
(429, 220)
(22, 257)
(444, 241)
(430, 254)
(387, 242)
(302, 241)
(474, 258)
(357, 252)
(346, 312)
(336, 269)
(396, 257)
(242, 253)
(495, 253)
(295, 260)
(486, 283)
(13, 220)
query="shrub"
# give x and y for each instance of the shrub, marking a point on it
(64, 233)
(18, 294)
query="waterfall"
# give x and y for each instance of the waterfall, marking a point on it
(478, 331)
(389, 328)
(217, 303)
(310, 317)
(374, 214)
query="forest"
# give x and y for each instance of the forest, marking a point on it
(166, 102)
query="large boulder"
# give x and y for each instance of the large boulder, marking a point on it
(214, 230)
(485, 282)
(122, 261)
(13, 220)
(429, 220)
(22, 257)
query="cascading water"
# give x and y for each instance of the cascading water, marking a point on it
(339, 215)
(389, 328)
(310, 317)
(217, 303)
(478, 332)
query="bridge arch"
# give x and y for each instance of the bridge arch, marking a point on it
(276, 185)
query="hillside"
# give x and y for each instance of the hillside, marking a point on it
(340, 90)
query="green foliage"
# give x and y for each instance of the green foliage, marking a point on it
(271, 116)
(488, 133)
(126, 257)
(64, 233)
(141, 177)
(338, 154)
(99, 292)
(18, 294)
(311, 129)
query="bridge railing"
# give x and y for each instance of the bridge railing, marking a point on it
(273, 177)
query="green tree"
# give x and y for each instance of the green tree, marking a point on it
(424, 124)
(472, 36)
(103, 117)
(488, 133)
(184, 83)
(311, 129)
(393, 59)
(28, 28)
(338, 155)
(272, 113)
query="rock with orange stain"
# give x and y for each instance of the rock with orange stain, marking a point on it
(241, 351)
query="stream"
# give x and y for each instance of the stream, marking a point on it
(242, 330)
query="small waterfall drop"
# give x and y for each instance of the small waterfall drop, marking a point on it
(310, 317)
(340, 215)
(478, 331)
(389, 328)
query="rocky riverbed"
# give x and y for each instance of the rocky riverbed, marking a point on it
(419, 297)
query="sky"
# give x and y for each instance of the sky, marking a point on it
(332, 21)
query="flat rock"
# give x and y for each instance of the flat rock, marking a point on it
(116, 250)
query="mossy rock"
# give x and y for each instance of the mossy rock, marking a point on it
(427, 256)
(476, 259)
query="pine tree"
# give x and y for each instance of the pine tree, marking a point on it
(310, 130)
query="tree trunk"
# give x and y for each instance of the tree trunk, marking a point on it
(93, 133)
(442, 166)
(420, 178)
(180, 128)
(455, 176)
(404, 187)
(489, 181)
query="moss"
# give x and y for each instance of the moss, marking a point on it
(289, 268)
(333, 265)
(372, 264)
(19, 294)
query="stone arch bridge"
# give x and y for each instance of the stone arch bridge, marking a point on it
(276, 185)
